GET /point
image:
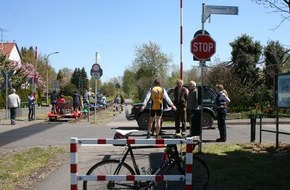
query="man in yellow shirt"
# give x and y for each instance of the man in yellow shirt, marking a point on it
(156, 94)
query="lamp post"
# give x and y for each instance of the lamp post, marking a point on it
(46, 59)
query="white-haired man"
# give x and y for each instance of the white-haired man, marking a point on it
(13, 104)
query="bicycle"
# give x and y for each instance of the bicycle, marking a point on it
(172, 163)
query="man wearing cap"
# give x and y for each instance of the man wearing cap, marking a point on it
(13, 104)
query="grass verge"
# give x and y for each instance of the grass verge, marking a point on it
(247, 166)
(22, 169)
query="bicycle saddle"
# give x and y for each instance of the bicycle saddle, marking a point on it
(125, 132)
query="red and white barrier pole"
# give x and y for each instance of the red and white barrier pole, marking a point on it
(74, 163)
(74, 142)
(181, 39)
(188, 164)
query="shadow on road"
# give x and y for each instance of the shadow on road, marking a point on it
(23, 132)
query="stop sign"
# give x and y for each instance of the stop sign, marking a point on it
(202, 46)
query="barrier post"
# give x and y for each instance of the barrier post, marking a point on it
(188, 164)
(74, 163)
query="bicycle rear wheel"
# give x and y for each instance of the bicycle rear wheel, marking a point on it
(109, 167)
(200, 175)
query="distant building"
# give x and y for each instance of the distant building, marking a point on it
(11, 51)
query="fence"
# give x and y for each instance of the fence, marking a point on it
(75, 177)
(276, 131)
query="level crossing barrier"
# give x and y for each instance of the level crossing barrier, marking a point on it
(75, 176)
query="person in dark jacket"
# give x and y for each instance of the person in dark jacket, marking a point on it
(222, 100)
(53, 100)
(180, 98)
(31, 101)
(76, 101)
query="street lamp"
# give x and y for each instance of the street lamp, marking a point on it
(46, 59)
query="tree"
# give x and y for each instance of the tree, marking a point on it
(245, 55)
(129, 86)
(108, 88)
(274, 60)
(278, 6)
(80, 80)
(149, 63)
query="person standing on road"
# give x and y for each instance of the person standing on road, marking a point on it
(180, 98)
(192, 98)
(222, 100)
(53, 100)
(31, 102)
(76, 101)
(156, 94)
(13, 104)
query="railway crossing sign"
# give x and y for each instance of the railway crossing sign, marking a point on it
(96, 71)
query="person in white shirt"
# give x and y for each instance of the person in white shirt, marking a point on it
(13, 104)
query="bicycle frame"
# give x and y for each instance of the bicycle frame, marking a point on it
(174, 160)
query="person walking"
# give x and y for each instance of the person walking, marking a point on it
(13, 104)
(192, 100)
(156, 94)
(31, 103)
(180, 98)
(222, 100)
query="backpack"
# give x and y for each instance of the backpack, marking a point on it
(157, 96)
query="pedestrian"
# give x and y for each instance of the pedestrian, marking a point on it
(192, 100)
(156, 94)
(180, 99)
(13, 104)
(53, 100)
(76, 101)
(122, 101)
(116, 102)
(31, 103)
(222, 100)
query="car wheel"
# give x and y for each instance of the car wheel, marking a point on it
(207, 120)
(143, 120)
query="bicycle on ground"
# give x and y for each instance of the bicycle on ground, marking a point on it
(173, 163)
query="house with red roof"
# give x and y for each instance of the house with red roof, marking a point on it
(11, 51)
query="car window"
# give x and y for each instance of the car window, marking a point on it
(208, 96)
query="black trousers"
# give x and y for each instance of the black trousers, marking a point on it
(180, 117)
(13, 113)
(222, 113)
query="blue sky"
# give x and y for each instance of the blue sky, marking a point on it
(79, 29)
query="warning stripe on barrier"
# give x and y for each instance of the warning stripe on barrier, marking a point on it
(188, 164)
(158, 142)
(130, 141)
(158, 178)
(74, 163)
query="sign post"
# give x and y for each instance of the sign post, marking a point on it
(96, 73)
(203, 46)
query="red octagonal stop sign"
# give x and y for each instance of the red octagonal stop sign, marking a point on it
(202, 46)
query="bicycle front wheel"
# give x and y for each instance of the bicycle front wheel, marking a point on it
(109, 167)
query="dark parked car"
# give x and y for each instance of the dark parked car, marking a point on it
(209, 109)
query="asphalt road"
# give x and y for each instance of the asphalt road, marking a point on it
(40, 133)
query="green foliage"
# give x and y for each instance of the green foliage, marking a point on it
(108, 89)
(149, 63)
(245, 55)
(274, 60)
(67, 90)
(80, 80)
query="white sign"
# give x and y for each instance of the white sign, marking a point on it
(96, 75)
(96, 67)
(213, 9)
